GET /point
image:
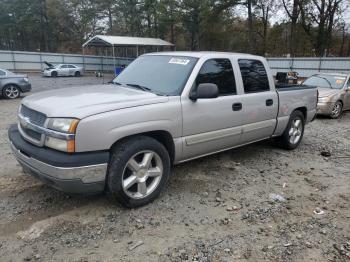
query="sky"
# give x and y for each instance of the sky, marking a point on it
(280, 15)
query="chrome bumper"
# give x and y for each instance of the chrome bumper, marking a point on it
(83, 179)
(87, 174)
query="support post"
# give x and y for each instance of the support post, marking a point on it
(84, 58)
(13, 60)
(137, 51)
(113, 60)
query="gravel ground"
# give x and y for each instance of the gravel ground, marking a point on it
(218, 208)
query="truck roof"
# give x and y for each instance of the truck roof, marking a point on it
(200, 54)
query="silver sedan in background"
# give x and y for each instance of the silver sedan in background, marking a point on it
(334, 93)
(63, 70)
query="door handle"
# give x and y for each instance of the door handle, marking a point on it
(237, 106)
(269, 102)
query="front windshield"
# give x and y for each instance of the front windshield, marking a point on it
(326, 81)
(160, 74)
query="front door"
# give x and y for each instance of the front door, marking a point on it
(211, 125)
(259, 104)
(64, 70)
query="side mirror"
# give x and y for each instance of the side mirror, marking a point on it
(205, 91)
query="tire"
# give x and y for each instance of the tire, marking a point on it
(294, 132)
(11, 91)
(77, 74)
(337, 110)
(54, 74)
(138, 171)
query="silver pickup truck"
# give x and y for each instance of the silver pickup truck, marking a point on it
(163, 109)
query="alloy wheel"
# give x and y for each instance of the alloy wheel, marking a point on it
(336, 111)
(11, 92)
(142, 174)
(295, 131)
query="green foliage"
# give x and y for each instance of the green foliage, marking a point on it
(63, 25)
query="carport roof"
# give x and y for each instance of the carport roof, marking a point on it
(108, 41)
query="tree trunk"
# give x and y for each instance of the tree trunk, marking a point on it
(294, 19)
(250, 27)
(110, 19)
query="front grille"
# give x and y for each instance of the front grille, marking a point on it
(31, 133)
(34, 117)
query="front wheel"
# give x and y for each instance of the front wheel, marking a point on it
(294, 131)
(77, 74)
(138, 170)
(336, 110)
(11, 92)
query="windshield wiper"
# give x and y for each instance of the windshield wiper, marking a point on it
(329, 83)
(143, 88)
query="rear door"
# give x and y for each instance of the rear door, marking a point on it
(259, 103)
(211, 125)
(72, 69)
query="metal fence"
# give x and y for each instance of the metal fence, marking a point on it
(33, 61)
(306, 66)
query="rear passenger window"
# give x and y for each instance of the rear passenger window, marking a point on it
(219, 72)
(254, 76)
(2, 73)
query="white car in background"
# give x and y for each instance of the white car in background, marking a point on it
(63, 70)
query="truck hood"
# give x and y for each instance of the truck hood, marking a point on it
(82, 101)
(323, 92)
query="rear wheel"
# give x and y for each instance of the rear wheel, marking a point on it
(294, 131)
(138, 171)
(11, 92)
(337, 110)
(77, 74)
(54, 74)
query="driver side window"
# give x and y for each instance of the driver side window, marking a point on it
(219, 72)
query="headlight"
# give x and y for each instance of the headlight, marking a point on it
(324, 99)
(25, 79)
(63, 125)
(66, 125)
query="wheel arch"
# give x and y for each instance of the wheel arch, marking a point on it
(162, 136)
(340, 100)
(303, 110)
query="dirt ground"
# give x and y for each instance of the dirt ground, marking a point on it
(218, 208)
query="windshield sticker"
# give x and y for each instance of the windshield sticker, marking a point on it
(179, 61)
(339, 81)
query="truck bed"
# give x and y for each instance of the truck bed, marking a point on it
(293, 97)
(291, 87)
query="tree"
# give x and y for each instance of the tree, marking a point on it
(293, 15)
(264, 8)
(319, 13)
